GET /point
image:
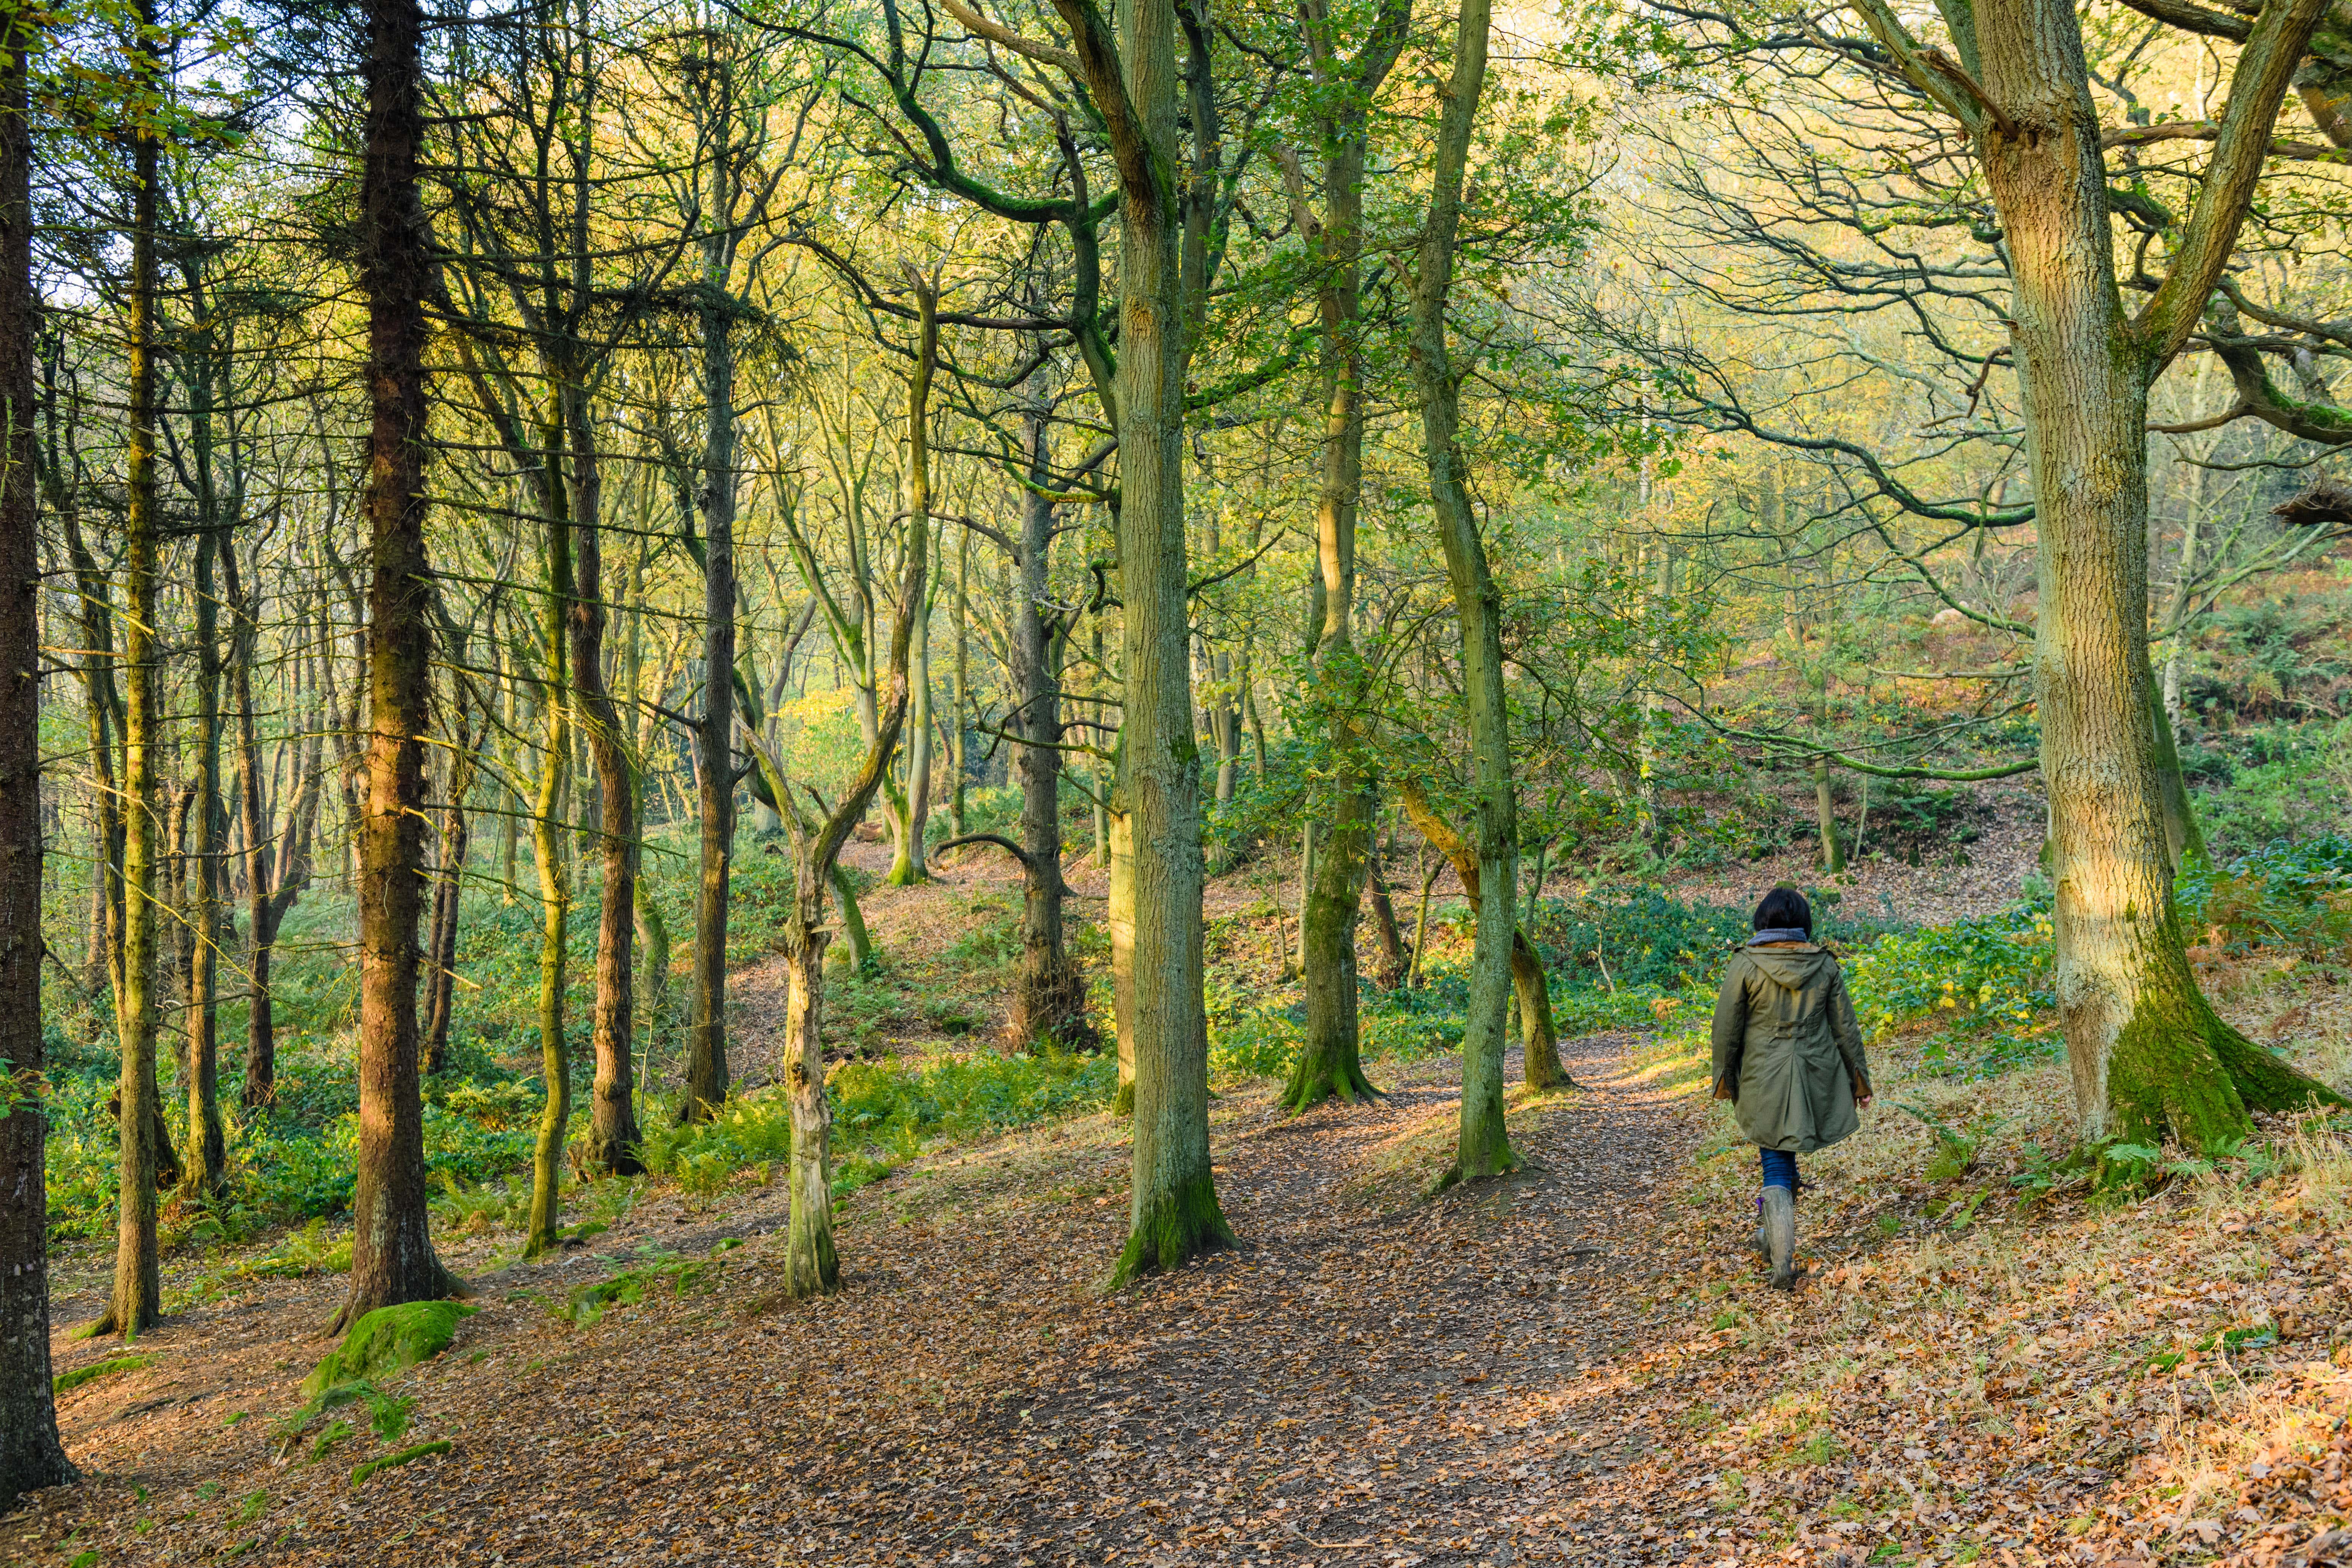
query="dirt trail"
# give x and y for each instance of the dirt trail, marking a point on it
(1373, 1378)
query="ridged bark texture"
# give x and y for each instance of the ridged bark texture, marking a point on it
(2148, 1056)
(391, 1245)
(31, 1456)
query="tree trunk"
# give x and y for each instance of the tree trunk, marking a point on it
(391, 1245)
(206, 1175)
(1049, 999)
(961, 724)
(2150, 1057)
(1483, 1146)
(31, 1458)
(811, 1267)
(137, 1299)
(546, 848)
(706, 1028)
(449, 888)
(2184, 840)
(1825, 817)
(911, 810)
(613, 1135)
(1384, 922)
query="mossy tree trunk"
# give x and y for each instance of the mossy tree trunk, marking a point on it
(547, 835)
(2148, 1056)
(1133, 76)
(1482, 1147)
(137, 1299)
(1529, 989)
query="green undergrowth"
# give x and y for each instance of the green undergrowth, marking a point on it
(885, 1113)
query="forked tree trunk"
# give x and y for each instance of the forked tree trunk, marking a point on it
(1538, 1033)
(613, 1135)
(2150, 1056)
(392, 1244)
(31, 1458)
(1483, 1146)
(811, 1266)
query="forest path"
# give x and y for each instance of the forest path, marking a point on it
(1373, 1378)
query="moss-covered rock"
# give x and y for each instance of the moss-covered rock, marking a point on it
(387, 1342)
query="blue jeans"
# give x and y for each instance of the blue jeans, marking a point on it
(1780, 1169)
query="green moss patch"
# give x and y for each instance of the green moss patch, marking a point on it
(96, 1369)
(387, 1342)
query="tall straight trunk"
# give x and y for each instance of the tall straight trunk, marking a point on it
(31, 1458)
(912, 809)
(706, 1028)
(137, 1299)
(960, 720)
(1172, 1211)
(2148, 1055)
(1483, 1146)
(547, 846)
(509, 827)
(448, 893)
(207, 1174)
(392, 1244)
(613, 1135)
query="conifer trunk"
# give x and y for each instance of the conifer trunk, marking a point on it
(391, 1246)
(31, 1456)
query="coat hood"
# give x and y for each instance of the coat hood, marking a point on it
(1795, 967)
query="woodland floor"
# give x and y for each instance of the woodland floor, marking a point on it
(1579, 1364)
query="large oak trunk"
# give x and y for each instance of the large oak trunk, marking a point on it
(2150, 1057)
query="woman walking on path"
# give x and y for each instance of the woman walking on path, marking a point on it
(1788, 1056)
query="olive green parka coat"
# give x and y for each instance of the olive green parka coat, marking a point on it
(1787, 1053)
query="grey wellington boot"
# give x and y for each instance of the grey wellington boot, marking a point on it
(1781, 1236)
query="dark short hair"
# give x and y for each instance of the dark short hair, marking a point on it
(1783, 908)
